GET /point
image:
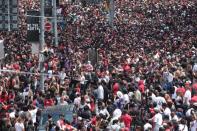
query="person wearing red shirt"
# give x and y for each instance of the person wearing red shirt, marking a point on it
(115, 88)
(16, 66)
(127, 68)
(11, 95)
(141, 86)
(126, 119)
(93, 119)
(3, 97)
(92, 105)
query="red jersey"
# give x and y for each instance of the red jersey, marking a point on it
(127, 120)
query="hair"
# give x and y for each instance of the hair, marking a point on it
(19, 119)
(124, 112)
(115, 121)
(49, 116)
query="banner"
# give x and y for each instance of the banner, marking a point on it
(33, 26)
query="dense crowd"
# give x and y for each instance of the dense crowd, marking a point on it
(145, 76)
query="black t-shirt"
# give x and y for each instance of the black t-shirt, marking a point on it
(86, 114)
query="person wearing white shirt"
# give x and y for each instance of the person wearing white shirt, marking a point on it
(174, 95)
(114, 126)
(174, 116)
(77, 100)
(147, 127)
(126, 99)
(167, 111)
(188, 113)
(167, 76)
(183, 126)
(100, 92)
(193, 125)
(63, 102)
(19, 125)
(159, 100)
(103, 111)
(33, 114)
(187, 96)
(157, 119)
(194, 71)
(62, 76)
(12, 114)
(82, 79)
(117, 113)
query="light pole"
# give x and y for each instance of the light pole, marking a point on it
(55, 22)
(42, 43)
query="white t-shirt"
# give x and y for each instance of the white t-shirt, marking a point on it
(82, 79)
(159, 100)
(126, 98)
(174, 95)
(158, 119)
(12, 114)
(153, 97)
(33, 114)
(117, 113)
(147, 126)
(187, 97)
(188, 113)
(107, 78)
(168, 76)
(183, 127)
(193, 125)
(175, 118)
(167, 112)
(62, 75)
(195, 68)
(104, 112)
(19, 126)
(100, 92)
(77, 101)
(115, 127)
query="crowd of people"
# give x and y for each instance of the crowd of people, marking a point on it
(144, 77)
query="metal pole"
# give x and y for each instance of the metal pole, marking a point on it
(111, 13)
(42, 43)
(8, 15)
(55, 22)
